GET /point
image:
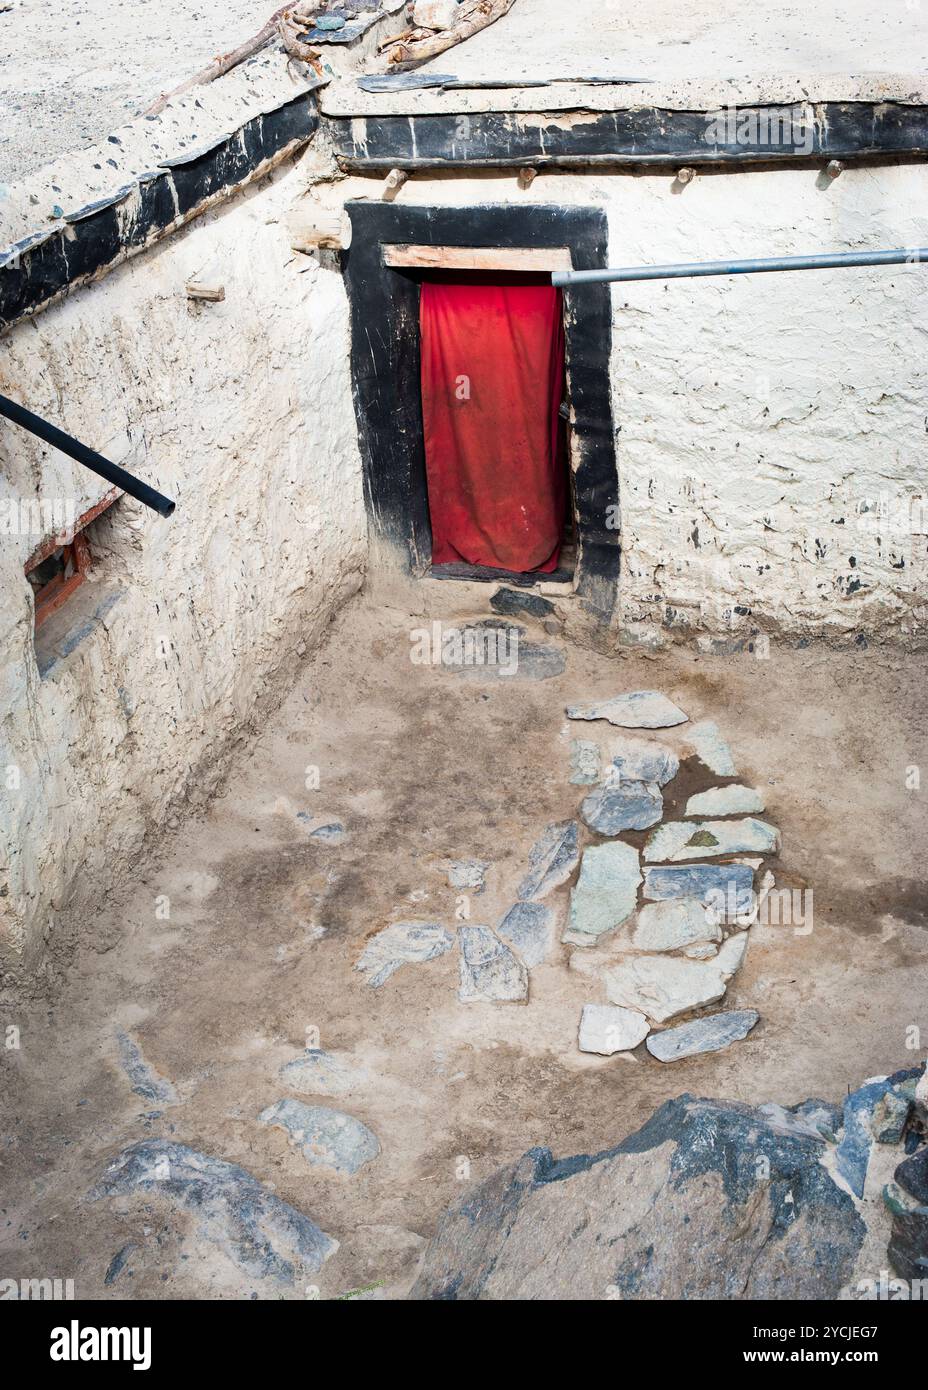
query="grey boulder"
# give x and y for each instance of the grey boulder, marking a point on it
(890, 1117)
(864, 1122)
(676, 1211)
(908, 1242)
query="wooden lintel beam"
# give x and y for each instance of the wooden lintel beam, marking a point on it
(516, 258)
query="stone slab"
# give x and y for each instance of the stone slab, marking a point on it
(263, 1235)
(673, 924)
(320, 1073)
(622, 806)
(606, 1029)
(709, 1034)
(677, 839)
(605, 894)
(326, 830)
(514, 603)
(641, 760)
(153, 1089)
(710, 748)
(725, 801)
(529, 661)
(552, 859)
(664, 986)
(585, 762)
(700, 950)
(467, 873)
(527, 928)
(728, 887)
(326, 1138)
(639, 709)
(402, 943)
(489, 971)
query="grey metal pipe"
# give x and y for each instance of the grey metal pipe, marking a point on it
(914, 255)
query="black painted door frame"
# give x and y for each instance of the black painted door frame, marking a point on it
(384, 304)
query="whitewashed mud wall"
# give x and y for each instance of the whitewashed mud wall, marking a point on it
(242, 412)
(771, 429)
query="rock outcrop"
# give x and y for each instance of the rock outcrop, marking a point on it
(709, 1200)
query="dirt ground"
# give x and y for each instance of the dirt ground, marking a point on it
(266, 925)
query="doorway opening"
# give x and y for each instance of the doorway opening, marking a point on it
(396, 250)
(495, 422)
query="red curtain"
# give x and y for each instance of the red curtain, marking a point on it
(492, 379)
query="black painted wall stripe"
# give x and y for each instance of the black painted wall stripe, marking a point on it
(35, 272)
(645, 135)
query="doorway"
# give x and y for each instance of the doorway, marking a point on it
(384, 290)
(494, 428)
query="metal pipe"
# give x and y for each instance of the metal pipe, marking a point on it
(914, 255)
(88, 457)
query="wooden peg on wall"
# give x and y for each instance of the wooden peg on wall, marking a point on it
(393, 183)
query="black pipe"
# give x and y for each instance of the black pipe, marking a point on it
(88, 457)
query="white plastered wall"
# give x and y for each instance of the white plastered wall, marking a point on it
(242, 412)
(773, 427)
